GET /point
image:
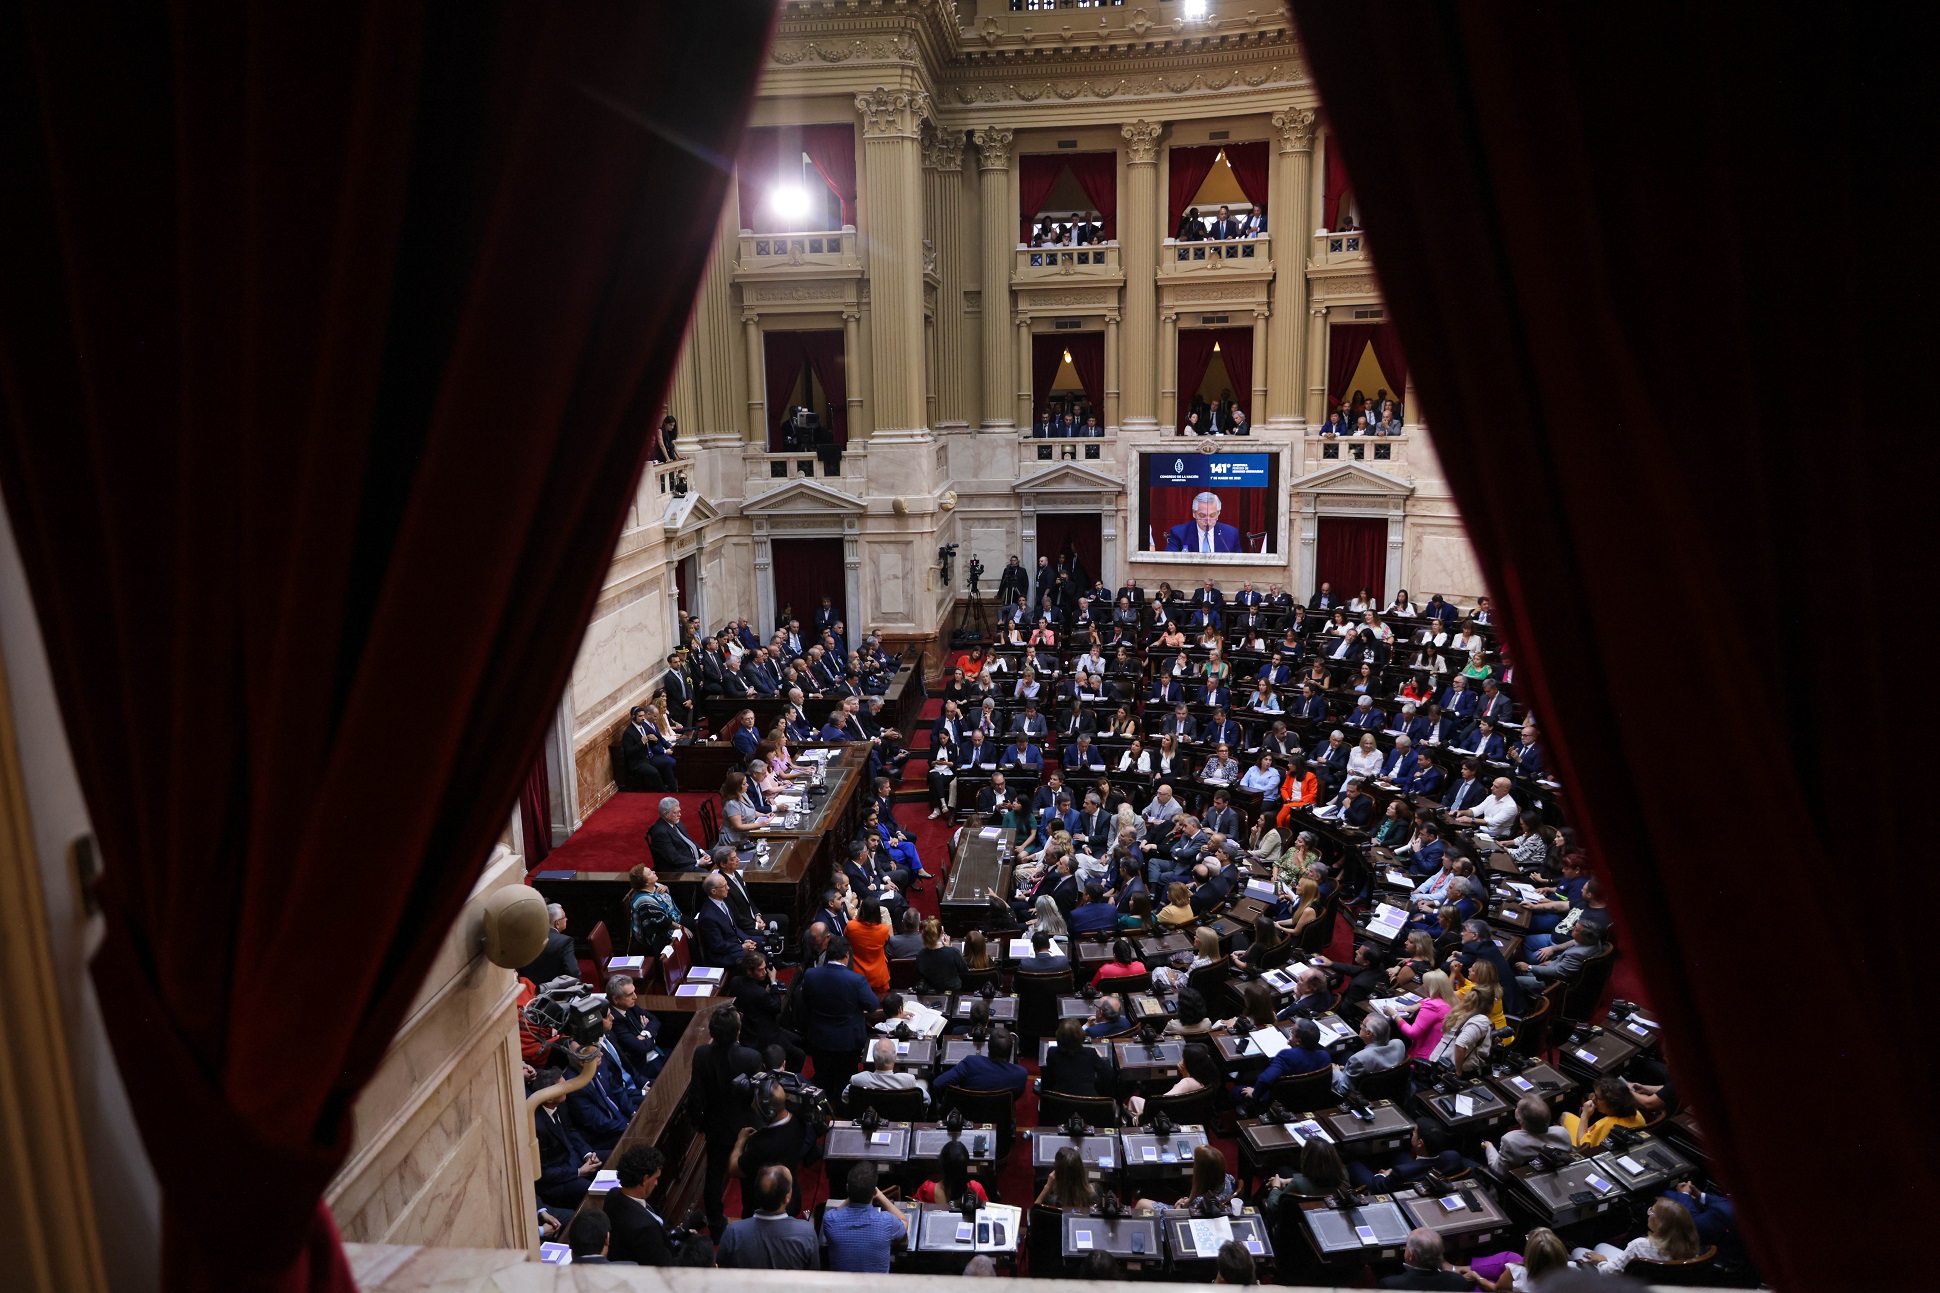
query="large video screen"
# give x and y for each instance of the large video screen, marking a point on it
(1211, 504)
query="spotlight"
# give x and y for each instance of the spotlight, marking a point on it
(1194, 10)
(789, 201)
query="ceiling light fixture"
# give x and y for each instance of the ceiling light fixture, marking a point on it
(789, 201)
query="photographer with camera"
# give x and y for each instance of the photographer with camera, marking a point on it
(761, 1003)
(778, 1138)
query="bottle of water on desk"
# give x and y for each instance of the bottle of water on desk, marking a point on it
(794, 818)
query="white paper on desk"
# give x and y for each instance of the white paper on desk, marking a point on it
(1624, 1161)
(1010, 1218)
(604, 1181)
(786, 802)
(1279, 979)
(694, 990)
(1209, 1233)
(817, 756)
(1332, 1029)
(1526, 892)
(1020, 948)
(1307, 1129)
(990, 832)
(705, 974)
(1082, 1239)
(1270, 1041)
(1399, 879)
(1464, 1106)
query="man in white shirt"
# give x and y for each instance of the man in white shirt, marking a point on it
(1498, 814)
(1159, 813)
(881, 1075)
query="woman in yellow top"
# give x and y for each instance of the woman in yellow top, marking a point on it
(1482, 974)
(1178, 906)
(1610, 1105)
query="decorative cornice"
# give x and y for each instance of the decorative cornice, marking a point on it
(1296, 127)
(943, 151)
(899, 48)
(993, 147)
(888, 113)
(1185, 83)
(1142, 138)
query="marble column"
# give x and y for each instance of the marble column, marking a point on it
(1138, 252)
(757, 428)
(999, 240)
(1291, 187)
(1258, 394)
(1410, 415)
(1169, 367)
(1316, 363)
(1026, 416)
(1111, 374)
(943, 194)
(892, 156)
(852, 368)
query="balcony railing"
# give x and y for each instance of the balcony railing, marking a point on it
(1034, 454)
(829, 248)
(1214, 255)
(1348, 247)
(1386, 453)
(1036, 264)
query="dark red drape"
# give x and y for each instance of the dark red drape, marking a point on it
(1351, 553)
(535, 814)
(1187, 169)
(329, 341)
(782, 360)
(1047, 354)
(1236, 351)
(831, 150)
(783, 356)
(823, 349)
(1080, 530)
(1250, 168)
(769, 152)
(1346, 342)
(1037, 175)
(1195, 357)
(1517, 194)
(1088, 361)
(806, 571)
(1097, 175)
(1335, 186)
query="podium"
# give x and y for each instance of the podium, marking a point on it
(1537, 1079)
(1148, 1156)
(1645, 1167)
(1138, 1062)
(1474, 1111)
(1385, 1129)
(887, 1145)
(1601, 1053)
(1564, 1197)
(1099, 1150)
(1266, 1145)
(927, 1139)
(940, 1238)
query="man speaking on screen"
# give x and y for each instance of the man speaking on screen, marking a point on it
(1203, 533)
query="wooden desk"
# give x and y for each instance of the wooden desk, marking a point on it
(783, 885)
(1466, 1219)
(980, 871)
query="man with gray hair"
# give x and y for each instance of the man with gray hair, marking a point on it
(1423, 1267)
(1205, 532)
(723, 940)
(558, 958)
(881, 1075)
(1533, 1135)
(673, 850)
(1380, 1051)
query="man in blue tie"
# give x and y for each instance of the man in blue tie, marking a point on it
(1205, 532)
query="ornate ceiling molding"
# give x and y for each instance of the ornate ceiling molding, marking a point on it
(1184, 83)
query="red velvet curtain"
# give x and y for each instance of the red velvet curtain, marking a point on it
(1335, 186)
(1351, 553)
(1195, 357)
(782, 360)
(1047, 355)
(831, 150)
(330, 340)
(823, 349)
(1250, 167)
(1080, 529)
(1097, 175)
(1088, 360)
(1187, 169)
(1522, 164)
(535, 814)
(1346, 342)
(1236, 350)
(805, 571)
(1037, 175)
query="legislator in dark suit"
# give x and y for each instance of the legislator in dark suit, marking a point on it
(556, 958)
(673, 851)
(639, 1234)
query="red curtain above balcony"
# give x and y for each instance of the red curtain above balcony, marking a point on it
(1088, 361)
(1250, 163)
(784, 355)
(1335, 186)
(1347, 342)
(1187, 169)
(769, 155)
(1097, 175)
(1037, 175)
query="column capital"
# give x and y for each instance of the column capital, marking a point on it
(850, 314)
(1296, 127)
(993, 147)
(1262, 312)
(1143, 138)
(750, 318)
(943, 151)
(892, 113)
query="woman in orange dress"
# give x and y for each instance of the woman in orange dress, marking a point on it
(868, 934)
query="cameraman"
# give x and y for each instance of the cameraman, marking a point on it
(760, 1000)
(779, 1138)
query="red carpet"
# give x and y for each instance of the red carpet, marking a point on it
(614, 838)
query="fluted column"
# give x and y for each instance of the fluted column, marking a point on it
(999, 238)
(892, 156)
(1021, 398)
(943, 196)
(1316, 363)
(1256, 398)
(1169, 367)
(1111, 411)
(1138, 252)
(852, 368)
(757, 429)
(1291, 188)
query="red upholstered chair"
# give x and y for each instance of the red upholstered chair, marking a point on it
(601, 944)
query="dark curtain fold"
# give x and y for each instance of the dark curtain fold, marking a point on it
(1088, 361)
(1335, 186)
(783, 358)
(831, 150)
(805, 571)
(329, 345)
(1346, 343)
(1195, 357)
(1387, 353)
(1187, 169)
(1351, 553)
(1080, 531)
(1516, 170)
(1236, 349)
(1047, 355)
(535, 814)
(824, 352)
(1097, 175)
(1251, 166)
(1037, 175)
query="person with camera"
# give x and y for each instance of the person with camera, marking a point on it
(716, 1112)
(778, 1138)
(761, 1002)
(639, 1232)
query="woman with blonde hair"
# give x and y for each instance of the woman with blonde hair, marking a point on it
(1670, 1235)
(1543, 1254)
(1046, 916)
(1178, 906)
(1307, 892)
(1466, 1037)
